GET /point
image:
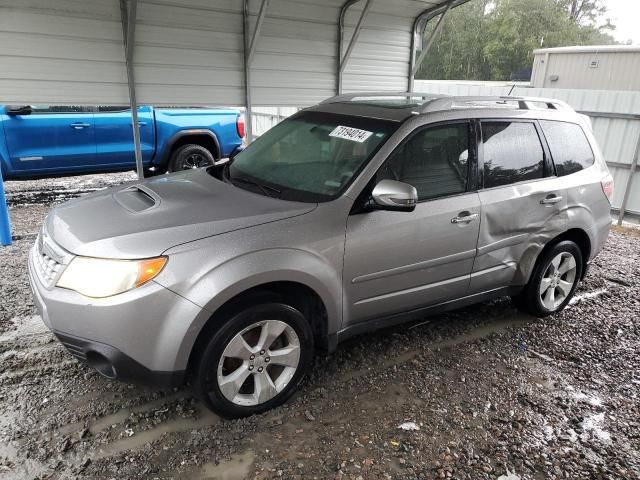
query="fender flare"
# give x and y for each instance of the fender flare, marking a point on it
(201, 132)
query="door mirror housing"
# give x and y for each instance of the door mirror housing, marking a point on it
(19, 110)
(394, 195)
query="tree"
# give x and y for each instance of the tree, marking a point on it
(491, 39)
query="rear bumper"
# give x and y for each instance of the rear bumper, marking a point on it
(112, 363)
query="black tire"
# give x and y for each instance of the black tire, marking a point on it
(205, 381)
(530, 300)
(190, 156)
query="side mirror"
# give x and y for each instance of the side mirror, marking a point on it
(19, 110)
(394, 195)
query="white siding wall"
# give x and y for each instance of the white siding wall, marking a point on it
(380, 59)
(62, 51)
(295, 58)
(187, 52)
(615, 70)
(190, 52)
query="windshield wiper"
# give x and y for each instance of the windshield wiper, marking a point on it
(266, 189)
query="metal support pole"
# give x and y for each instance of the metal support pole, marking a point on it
(427, 47)
(247, 73)
(5, 224)
(343, 60)
(129, 34)
(627, 191)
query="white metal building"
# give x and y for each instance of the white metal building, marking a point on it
(608, 67)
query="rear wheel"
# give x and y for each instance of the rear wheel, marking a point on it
(190, 156)
(255, 361)
(554, 280)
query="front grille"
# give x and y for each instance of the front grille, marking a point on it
(49, 260)
(46, 267)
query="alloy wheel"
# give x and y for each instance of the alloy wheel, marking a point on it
(558, 280)
(195, 160)
(258, 363)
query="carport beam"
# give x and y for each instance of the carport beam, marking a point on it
(427, 47)
(343, 60)
(129, 32)
(249, 51)
(256, 30)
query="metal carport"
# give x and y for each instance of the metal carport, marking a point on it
(208, 52)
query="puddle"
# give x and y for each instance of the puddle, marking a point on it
(46, 197)
(587, 296)
(238, 467)
(26, 327)
(501, 323)
(593, 426)
(592, 400)
(120, 416)
(14, 468)
(205, 418)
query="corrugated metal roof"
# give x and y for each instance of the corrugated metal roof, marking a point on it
(191, 51)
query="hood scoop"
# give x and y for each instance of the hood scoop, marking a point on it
(136, 198)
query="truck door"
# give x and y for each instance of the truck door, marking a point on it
(114, 135)
(55, 139)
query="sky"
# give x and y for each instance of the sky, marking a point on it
(625, 15)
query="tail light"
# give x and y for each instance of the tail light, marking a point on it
(607, 187)
(240, 125)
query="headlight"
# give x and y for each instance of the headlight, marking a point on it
(101, 277)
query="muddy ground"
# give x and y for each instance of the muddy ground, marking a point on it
(493, 394)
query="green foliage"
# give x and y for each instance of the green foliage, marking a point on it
(490, 39)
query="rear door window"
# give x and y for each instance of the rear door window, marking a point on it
(569, 146)
(512, 153)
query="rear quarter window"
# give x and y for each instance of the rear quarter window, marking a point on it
(569, 146)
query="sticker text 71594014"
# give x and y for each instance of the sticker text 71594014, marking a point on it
(350, 133)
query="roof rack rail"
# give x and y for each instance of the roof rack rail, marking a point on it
(451, 102)
(358, 96)
(433, 102)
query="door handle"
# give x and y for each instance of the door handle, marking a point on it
(465, 218)
(79, 125)
(142, 124)
(551, 200)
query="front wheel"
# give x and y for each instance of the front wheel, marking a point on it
(553, 281)
(255, 361)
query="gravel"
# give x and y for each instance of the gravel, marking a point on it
(489, 393)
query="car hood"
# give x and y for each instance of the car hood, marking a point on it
(143, 219)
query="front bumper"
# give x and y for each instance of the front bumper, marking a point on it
(112, 363)
(136, 336)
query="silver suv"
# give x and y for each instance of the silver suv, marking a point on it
(362, 212)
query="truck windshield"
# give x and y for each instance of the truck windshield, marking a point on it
(310, 157)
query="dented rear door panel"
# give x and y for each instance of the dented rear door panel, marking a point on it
(514, 228)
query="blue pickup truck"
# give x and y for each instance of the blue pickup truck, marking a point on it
(40, 141)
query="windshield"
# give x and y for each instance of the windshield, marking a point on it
(311, 157)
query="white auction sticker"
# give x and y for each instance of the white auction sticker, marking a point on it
(349, 133)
